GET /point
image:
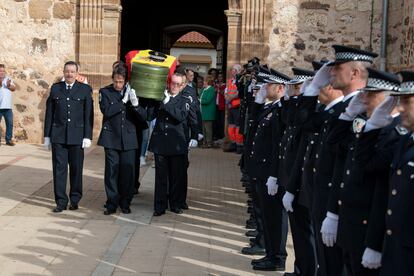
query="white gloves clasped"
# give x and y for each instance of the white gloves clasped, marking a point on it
(272, 185)
(287, 201)
(371, 258)
(86, 143)
(329, 229)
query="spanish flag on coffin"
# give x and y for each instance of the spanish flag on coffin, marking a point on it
(150, 72)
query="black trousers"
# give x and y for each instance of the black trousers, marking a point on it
(303, 240)
(119, 177)
(397, 258)
(62, 156)
(353, 266)
(258, 216)
(275, 224)
(137, 183)
(170, 173)
(182, 201)
(330, 260)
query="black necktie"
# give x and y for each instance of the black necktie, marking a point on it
(69, 87)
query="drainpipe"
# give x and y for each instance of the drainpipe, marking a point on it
(383, 54)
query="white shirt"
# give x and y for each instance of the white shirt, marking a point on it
(334, 102)
(350, 95)
(5, 95)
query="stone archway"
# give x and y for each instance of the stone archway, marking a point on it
(98, 34)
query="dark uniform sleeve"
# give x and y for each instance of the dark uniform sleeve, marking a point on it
(338, 141)
(375, 152)
(178, 111)
(48, 115)
(295, 178)
(108, 107)
(89, 115)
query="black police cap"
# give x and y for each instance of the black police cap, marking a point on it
(407, 84)
(345, 54)
(300, 75)
(379, 81)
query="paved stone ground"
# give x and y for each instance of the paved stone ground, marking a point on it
(205, 240)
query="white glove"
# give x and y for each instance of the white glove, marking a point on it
(126, 97)
(381, 117)
(371, 258)
(261, 95)
(321, 79)
(47, 145)
(304, 86)
(133, 97)
(355, 107)
(86, 143)
(193, 143)
(200, 136)
(329, 229)
(287, 201)
(272, 185)
(167, 97)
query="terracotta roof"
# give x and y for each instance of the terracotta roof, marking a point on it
(193, 37)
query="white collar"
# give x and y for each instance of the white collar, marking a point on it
(334, 102)
(350, 95)
(395, 115)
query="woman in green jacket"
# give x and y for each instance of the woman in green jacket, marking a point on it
(208, 110)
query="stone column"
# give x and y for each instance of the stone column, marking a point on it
(98, 39)
(234, 37)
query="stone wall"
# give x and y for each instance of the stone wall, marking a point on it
(38, 38)
(305, 30)
(400, 51)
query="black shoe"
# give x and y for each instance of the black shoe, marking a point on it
(253, 250)
(58, 209)
(73, 207)
(290, 274)
(230, 148)
(136, 191)
(184, 206)
(10, 143)
(250, 210)
(158, 213)
(265, 258)
(239, 149)
(270, 265)
(251, 233)
(109, 212)
(126, 211)
(251, 225)
(245, 178)
(177, 210)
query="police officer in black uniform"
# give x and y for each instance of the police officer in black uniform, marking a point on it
(398, 251)
(169, 143)
(269, 129)
(120, 109)
(68, 130)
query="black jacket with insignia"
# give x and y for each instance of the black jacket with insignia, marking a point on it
(69, 115)
(119, 121)
(171, 133)
(194, 117)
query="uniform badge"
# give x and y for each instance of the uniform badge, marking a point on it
(401, 130)
(331, 111)
(269, 115)
(358, 125)
(187, 106)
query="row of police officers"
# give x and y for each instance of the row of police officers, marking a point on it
(68, 131)
(331, 152)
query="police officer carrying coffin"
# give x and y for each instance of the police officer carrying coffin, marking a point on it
(120, 109)
(68, 130)
(398, 252)
(265, 149)
(169, 143)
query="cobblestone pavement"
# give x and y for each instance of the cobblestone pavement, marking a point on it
(205, 240)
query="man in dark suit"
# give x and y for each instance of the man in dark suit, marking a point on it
(68, 130)
(169, 143)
